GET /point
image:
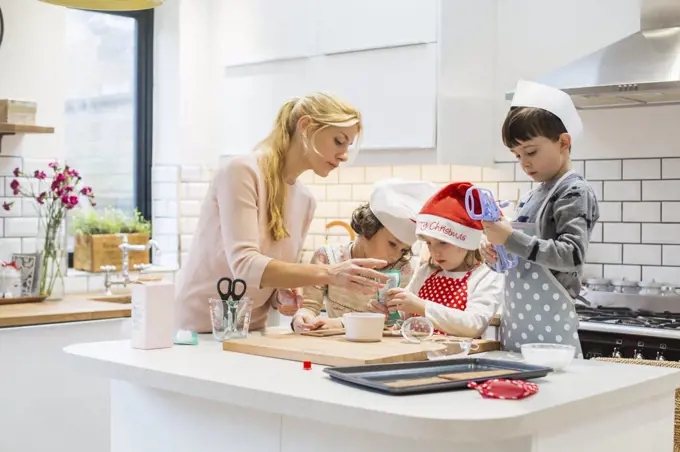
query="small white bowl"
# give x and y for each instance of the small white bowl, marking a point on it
(557, 356)
(364, 326)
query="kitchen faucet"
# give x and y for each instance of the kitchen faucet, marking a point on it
(125, 271)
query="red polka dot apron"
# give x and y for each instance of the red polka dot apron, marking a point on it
(447, 291)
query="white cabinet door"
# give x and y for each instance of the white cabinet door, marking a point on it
(350, 25)
(253, 31)
(251, 98)
(394, 89)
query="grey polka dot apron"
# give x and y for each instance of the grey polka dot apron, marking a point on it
(537, 307)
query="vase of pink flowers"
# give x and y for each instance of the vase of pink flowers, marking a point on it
(55, 192)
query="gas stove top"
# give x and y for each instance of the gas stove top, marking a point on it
(629, 333)
(629, 317)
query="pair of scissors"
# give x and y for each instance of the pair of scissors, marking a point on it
(490, 211)
(236, 288)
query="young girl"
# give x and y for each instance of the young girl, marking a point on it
(386, 229)
(453, 290)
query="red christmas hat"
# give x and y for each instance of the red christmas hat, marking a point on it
(444, 217)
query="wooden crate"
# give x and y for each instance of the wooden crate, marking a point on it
(93, 251)
(17, 111)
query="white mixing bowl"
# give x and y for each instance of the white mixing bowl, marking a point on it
(364, 326)
(557, 356)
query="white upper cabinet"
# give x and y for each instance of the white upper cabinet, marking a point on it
(254, 31)
(251, 98)
(351, 25)
(394, 89)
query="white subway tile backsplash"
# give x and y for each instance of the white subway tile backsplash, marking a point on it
(167, 190)
(610, 211)
(669, 275)
(376, 173)
(670, 212)
(671, 255)
(596, 235)
(163, 173)
(661, 190)
(21, 227)
(352, 175)
(185, 242)
(165, 226)
(317, 226)
(466, 173)
(604, 253)
(603, 170)
(318, 191)
(630, 272)
(327, 209)
(491, 186)
(8, 246)
(15, 210)
(500, 172)
(187, 225)
(592, 271)
(406, 172)
(348, 208)
(338, 192)
(642, 212)
(621, 191)
(76, 284)
(579, 167)
(8, 163)
(436, 173)
(661, 233)
(642, 169)
(597, 188)
(520, 175)
(193, 190)
(670, 168)
(621, 232)
(361, 193)
(642, 254)
(29, 244)
(512, 191)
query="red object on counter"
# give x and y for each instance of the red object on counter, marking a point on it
(505, 389)
(307, 365)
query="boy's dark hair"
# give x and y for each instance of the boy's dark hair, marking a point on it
(366, 224)
(525, 123)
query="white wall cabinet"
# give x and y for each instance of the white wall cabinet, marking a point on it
(351, 25)
(394, 90)
(255, 31)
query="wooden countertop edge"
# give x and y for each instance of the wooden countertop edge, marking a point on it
(43, 319)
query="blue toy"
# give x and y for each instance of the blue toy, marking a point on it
(490, 212)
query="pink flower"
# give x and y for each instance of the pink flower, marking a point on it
(54, 165)
(40, 175)
(73, 200)
(41, 198)
(15, 186)
(60, 177)
(73, 173)
(68, 189)
(69, 201)
(17, 172)
(86, 191)
(7, 205)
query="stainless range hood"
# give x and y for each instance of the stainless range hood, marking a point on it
(641, 69)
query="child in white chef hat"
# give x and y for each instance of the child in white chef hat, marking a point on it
(555, 221)
(453, 290)
(386, 229)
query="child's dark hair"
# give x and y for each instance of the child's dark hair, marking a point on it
(525, 123)
(366, 224)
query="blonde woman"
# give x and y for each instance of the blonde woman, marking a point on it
(256, 215)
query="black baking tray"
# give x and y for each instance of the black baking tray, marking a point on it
(375, 376)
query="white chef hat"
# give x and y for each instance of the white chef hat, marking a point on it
(557, 102)
(396, 204)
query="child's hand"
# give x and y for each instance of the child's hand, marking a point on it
(401, 300)
(497, 232)
(288, 301)
(376, 306)
(487, 251)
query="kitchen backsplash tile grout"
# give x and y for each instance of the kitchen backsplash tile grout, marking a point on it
(640, 212)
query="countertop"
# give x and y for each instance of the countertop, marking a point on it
(283, 387)
(72, 308)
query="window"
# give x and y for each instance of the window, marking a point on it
(108, 106)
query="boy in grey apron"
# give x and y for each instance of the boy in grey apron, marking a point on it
(554, 221)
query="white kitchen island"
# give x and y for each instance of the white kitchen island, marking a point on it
(192, 398)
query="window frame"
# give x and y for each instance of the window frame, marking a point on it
(143, 123)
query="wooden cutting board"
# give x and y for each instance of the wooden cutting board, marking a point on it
(338, 351)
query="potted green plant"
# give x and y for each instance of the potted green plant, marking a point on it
(97, 236)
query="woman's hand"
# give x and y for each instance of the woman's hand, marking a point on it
(357, 275)
(303, 322)
(325, 323)
(487, 251)
(288, 301)
(401, 300)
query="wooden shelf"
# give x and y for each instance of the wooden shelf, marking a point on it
(12, 129)
(8, 129)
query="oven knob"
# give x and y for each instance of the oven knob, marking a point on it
(617, 353)
(660, 357)
(638, 354)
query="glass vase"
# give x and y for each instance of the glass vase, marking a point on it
(52, 248)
